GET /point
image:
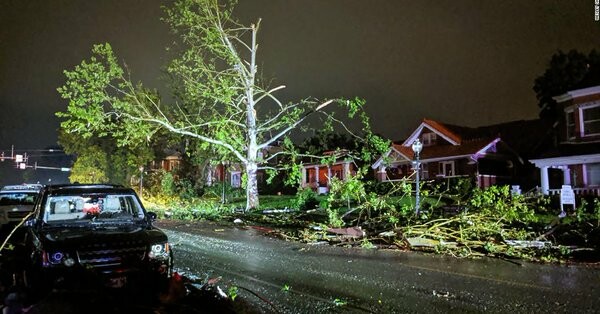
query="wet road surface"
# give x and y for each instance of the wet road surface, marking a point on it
(276, 276)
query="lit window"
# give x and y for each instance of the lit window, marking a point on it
(593, 174)
(591, 120)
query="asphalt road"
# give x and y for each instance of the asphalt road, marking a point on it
(276, 276)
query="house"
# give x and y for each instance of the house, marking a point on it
(224, 172)
(231, 171)
(318, 175)
(170, 163)
(451, 151)
(575, 159)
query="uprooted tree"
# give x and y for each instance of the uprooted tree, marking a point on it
(219, 98)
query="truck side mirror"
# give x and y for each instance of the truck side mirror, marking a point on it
(151, 215)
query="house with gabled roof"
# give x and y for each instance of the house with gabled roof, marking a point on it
(451, 151)
(575, 159)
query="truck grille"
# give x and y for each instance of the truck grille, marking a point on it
(115, 254)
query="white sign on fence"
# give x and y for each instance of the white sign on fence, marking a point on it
(567, 197)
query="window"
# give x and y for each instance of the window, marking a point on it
(425, 171)
(337, 173)
(446, 168)
(591, 120)
(428, 139)
(17, 198)
(311, 175)
(570, 121)
(593, 174)
(236, 179)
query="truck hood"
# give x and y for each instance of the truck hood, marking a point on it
(101, 235)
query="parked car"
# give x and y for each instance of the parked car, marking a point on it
(16, 202)
(98, 235)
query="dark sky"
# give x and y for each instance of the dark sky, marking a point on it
(462, 62)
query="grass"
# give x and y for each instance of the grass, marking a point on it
(267, 201)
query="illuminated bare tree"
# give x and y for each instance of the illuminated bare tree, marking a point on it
(219, 97)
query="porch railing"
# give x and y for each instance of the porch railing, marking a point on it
(579, 191)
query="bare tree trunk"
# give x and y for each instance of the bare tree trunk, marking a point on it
(252, 155)
(251, 186)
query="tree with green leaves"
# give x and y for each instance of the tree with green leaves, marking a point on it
(101, 160)
(220, 99)
(90, 167)
(565, 72)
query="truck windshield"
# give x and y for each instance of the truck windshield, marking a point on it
(17, 198)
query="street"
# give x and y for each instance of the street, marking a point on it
(279, 276)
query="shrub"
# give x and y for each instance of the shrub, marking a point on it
(334, 219)
(497, 202)
(188, 190)
(306, 199)
(167, 184)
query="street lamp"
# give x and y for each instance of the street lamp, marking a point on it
(417, 146)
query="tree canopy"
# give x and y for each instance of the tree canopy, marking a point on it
(565, 72)
(100, 159)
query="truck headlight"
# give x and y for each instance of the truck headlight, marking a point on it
(57, 257)
(159, 251)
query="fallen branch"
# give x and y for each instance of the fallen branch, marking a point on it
(14, 230)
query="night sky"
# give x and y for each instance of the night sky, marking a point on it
(462, 62)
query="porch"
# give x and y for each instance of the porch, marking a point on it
(582, 172)
(318, 177)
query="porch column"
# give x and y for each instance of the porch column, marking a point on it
(328, 176)
(303, 182)
(317, 176)
(544, 180)
(346, 170)
(566, 175)
(381, 173)
(209, 179)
